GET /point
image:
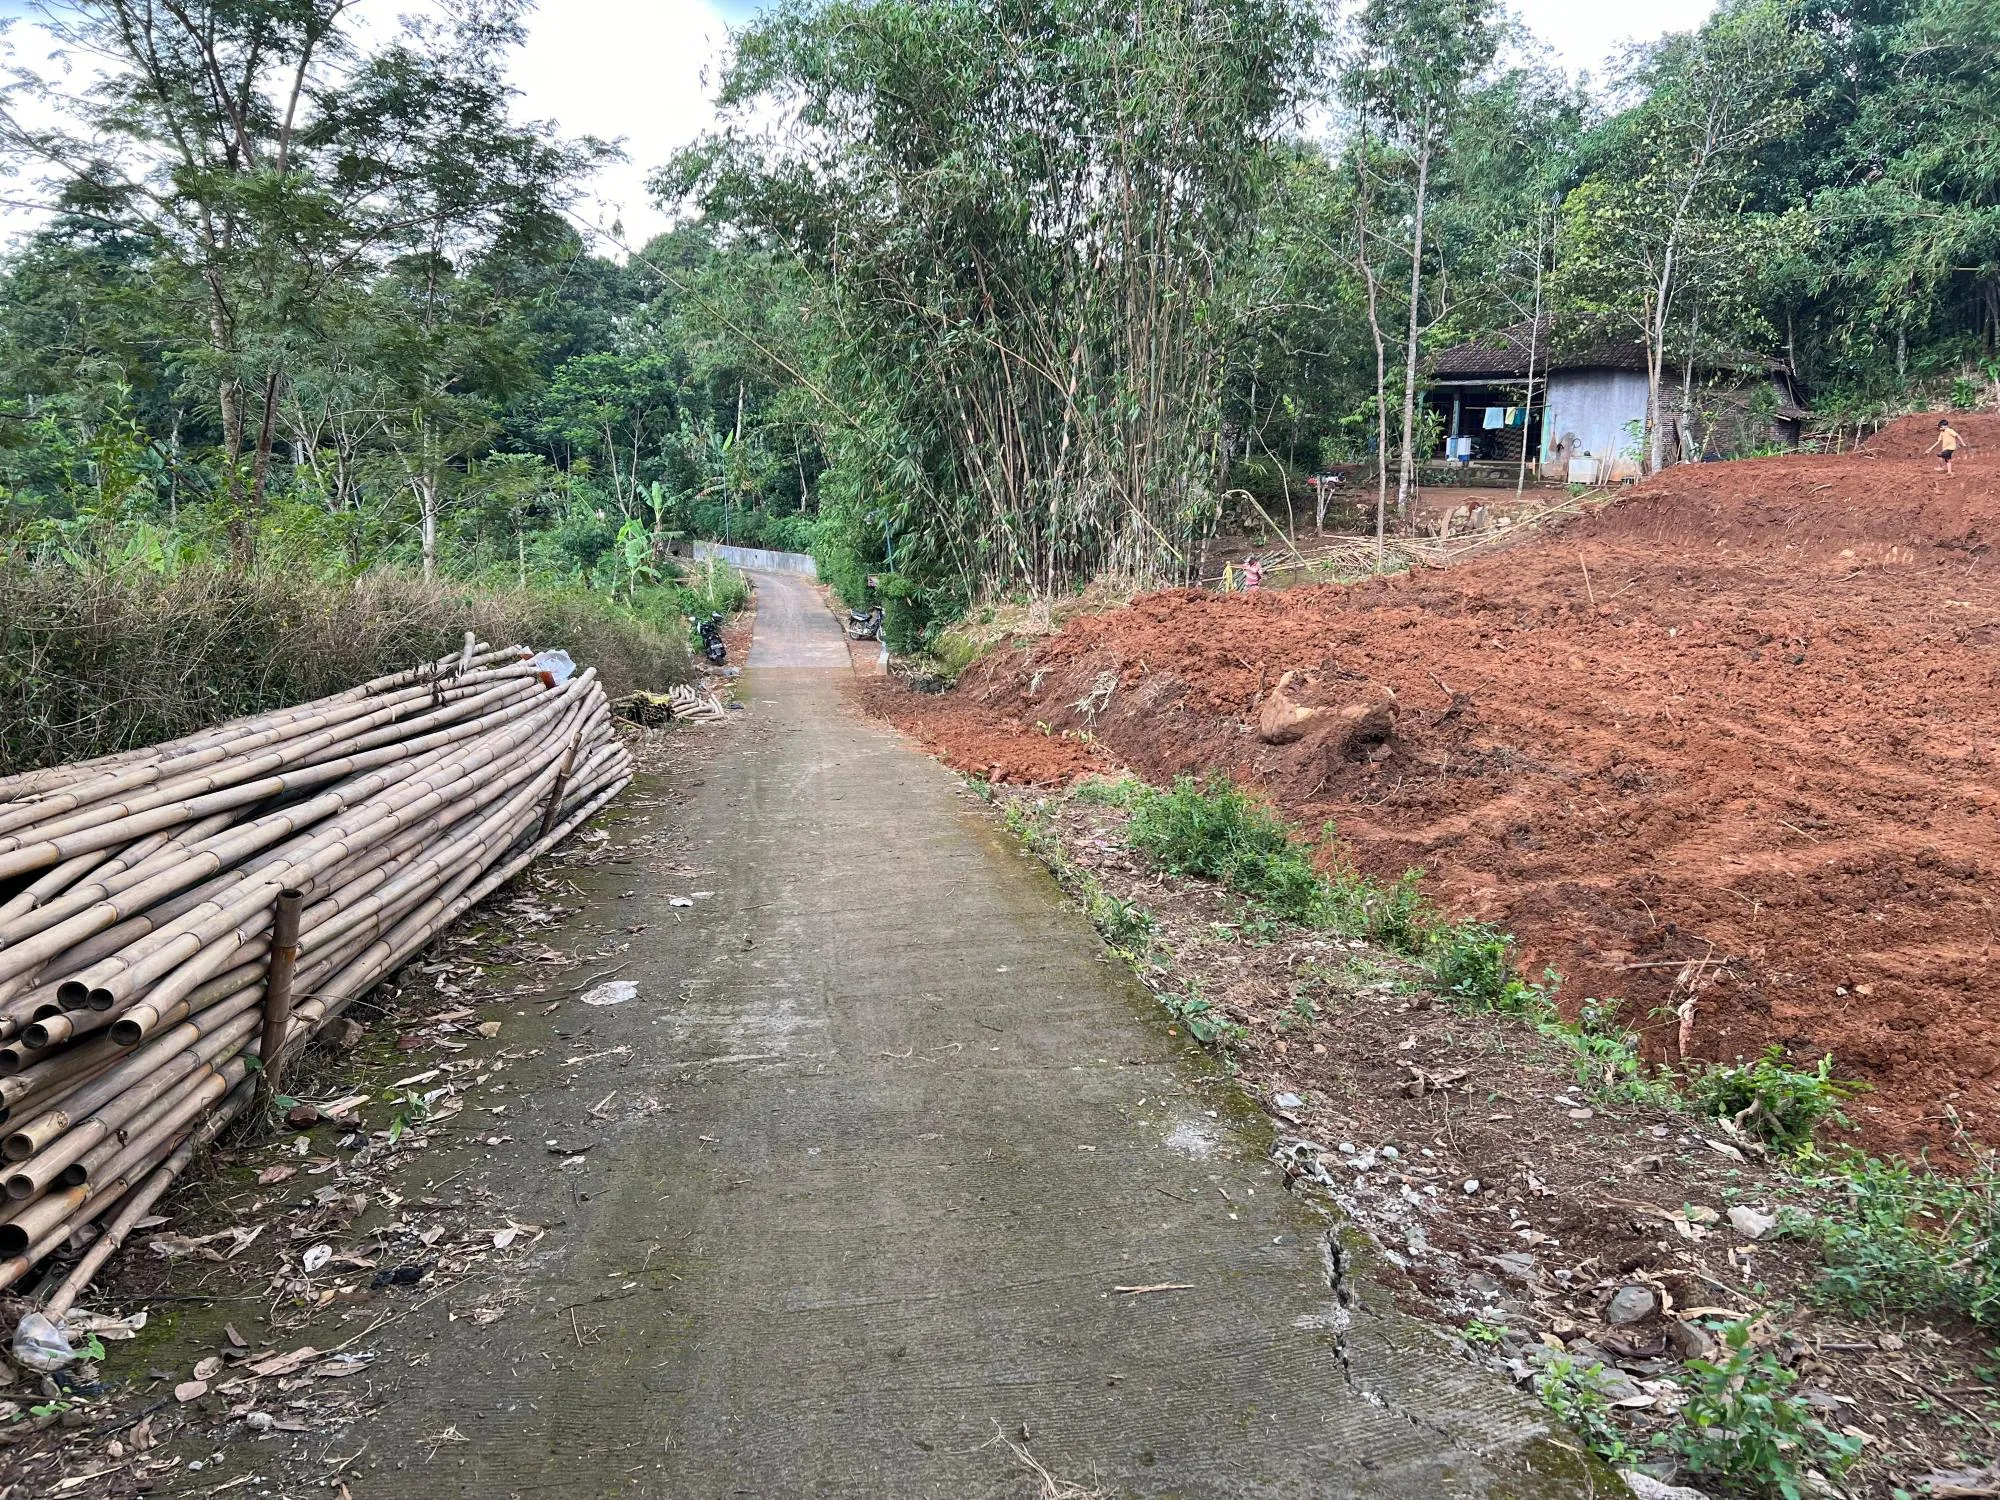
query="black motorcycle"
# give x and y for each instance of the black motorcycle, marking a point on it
(711, 639)
(864, 624)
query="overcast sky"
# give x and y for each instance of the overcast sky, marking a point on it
(642, 70)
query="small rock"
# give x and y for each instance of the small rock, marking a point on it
(1471, 1187)
(190, 1390)
(1751, 1223)
(1287, 1101)
(1390, 1153)
(1645, 1487)
(349, 1034)
(1515, 1264)
(1630, 1304)
(1346, 1148)
(1483, 1284)
(1689, 1340)
(489, 1028)
(302, 1117)
(259, 1421)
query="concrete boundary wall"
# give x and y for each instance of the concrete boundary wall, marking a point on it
(758, 559)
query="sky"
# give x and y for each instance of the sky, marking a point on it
(643, 71)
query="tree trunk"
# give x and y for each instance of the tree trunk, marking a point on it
(1381, 360)
(1534, 340)
(1406, 469)
(425, 486)
(260, 468)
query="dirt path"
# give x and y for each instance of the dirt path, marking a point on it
(842, 1203)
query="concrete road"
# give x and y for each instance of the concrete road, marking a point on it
(891, 1139)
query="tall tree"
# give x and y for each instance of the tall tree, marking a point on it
(264, 159)
(1023, 213)
(1411, 64)
(1662, 236)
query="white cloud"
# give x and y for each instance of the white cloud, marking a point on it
(640, 70)
(1582, 34)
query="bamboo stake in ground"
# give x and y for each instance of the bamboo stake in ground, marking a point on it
(278, 988)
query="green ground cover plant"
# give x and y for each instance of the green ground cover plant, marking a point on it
(1742, 1430)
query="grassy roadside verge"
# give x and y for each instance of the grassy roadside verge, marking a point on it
(1815, 1319)
(93, 661)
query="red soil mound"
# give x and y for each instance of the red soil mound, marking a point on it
(1743, 715)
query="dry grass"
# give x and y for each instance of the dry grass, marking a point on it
(1047, 1486)
(96, 662)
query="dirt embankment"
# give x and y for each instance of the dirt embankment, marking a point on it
(1744, 715)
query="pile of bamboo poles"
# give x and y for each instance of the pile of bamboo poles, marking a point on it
(176, 922)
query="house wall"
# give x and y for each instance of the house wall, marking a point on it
(1593, 408)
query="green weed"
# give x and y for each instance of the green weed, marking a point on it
(1483, 1335)
(1605, 1055)
(1901, 1239)
(1772, 1100)
(1399, 916)
(1204, 1022)
(1570, 1395)
(1125, 925)
(1105, 791)
(1473, 964)
(1215, 831)
(1740, 1429)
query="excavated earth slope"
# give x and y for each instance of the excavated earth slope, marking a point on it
(1745, 717)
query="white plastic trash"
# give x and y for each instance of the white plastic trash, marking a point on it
(39, 1344)
(556, 666)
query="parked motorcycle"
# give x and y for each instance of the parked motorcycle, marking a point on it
(865, 624)
(711, 639)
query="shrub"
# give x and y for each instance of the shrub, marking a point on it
(1398, 916)
(93, 661)
(1214, 830)
(1740, 1429)
(1473, 964)
(1771, 1099)
(1104, 791)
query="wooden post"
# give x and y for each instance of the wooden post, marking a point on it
(562, 780)
(278, 992)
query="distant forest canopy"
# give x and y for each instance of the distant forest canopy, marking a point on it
(965, 294)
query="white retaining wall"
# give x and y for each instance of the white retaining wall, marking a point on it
(758, 559)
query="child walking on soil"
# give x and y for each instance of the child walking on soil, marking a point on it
(1948, 443)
